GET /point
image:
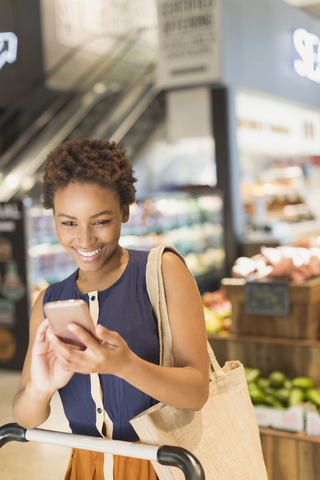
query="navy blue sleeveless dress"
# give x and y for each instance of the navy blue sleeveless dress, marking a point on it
(125, 308)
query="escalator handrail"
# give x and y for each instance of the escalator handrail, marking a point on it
(107, 120)
(61, 64)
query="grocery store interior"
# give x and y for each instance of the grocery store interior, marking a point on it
(217, 103)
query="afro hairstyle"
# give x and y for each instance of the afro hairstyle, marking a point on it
(88, 160)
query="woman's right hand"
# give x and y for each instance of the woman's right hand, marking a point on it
(47, 375)
(42, 375)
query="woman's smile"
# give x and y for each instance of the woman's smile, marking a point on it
(88, 255)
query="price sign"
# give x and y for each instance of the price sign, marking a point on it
(267, 297)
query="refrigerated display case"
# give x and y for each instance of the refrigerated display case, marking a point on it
(191, 222)
(278, 151)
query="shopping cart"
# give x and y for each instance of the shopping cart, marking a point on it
(165, 455)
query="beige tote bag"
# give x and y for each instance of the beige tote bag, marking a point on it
(223, 435)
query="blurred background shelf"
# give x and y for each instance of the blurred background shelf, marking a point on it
(293, 357)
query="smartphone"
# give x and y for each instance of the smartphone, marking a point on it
(63, 312)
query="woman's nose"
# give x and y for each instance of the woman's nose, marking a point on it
(86, 238)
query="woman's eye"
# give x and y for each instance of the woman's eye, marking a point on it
(68, 224)
(102, 222)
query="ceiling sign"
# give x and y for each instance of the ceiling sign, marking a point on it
(307, 45)
(189, 42)
(8, 48)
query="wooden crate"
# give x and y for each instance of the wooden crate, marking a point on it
(290, 456)
(302, 322)
(293, 357)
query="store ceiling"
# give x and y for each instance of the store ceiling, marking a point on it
(309, 6)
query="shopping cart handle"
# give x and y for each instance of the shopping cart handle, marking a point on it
(165, 455)
(182, 458)
(12, 432)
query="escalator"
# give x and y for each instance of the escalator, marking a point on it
(114, 98)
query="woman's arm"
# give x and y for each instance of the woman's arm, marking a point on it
(186, 385)
(41, 374)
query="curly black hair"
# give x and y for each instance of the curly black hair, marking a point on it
(88, 160)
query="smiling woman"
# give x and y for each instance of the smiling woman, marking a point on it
(90, 232)
(89, 184)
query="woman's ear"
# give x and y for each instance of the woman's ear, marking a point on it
(125, 213)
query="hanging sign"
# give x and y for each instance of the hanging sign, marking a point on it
(189, 42)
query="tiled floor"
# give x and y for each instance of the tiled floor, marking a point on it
(30, 461)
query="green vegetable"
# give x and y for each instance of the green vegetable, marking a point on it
(263, 383)
(270, 391)
(288, 384)
(273, 402)
(252, 386)
(296, 396)
(314, 396)
(253, 375)
(303, 382)
(277, 379)
(283, 395)
(257, 395)
(280, 394)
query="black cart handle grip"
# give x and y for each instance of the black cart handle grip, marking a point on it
(165, 455)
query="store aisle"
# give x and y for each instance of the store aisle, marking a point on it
(30, 461)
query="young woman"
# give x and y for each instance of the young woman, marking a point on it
(89, 185)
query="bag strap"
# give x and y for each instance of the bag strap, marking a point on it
(157, 298)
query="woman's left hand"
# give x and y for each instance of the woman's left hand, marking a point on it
(108, 353)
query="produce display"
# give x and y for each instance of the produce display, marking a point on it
(280, 392)
(217, 311)
(297, 263)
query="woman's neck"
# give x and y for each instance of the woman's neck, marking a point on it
(105, 277)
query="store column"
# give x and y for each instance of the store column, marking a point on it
(228, 170)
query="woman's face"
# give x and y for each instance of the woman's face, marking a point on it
(88, 220)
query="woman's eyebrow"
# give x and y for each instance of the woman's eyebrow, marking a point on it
(65, 215)
(105, 212)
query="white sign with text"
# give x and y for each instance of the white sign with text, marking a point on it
(307, 45)
(189, 42)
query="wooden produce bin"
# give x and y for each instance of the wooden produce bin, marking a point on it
(292, 357)
(294, 456)
(303, 319)
(290, 456)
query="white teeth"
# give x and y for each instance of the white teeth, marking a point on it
(88, 254)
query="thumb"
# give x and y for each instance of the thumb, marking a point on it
(106, 336)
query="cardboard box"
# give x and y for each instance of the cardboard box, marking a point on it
(313, 424)
(290, 420)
